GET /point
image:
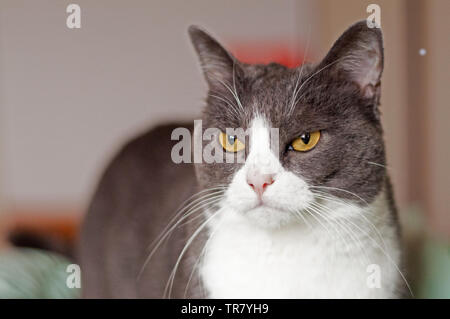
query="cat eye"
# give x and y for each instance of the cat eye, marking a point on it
(305, 142)
(230, 143)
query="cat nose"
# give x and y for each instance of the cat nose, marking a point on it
(259, 182)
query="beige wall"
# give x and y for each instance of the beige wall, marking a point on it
(438, 106)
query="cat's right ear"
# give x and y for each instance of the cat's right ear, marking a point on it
(358, 54)
(219, 66)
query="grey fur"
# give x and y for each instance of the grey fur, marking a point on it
(142, 188)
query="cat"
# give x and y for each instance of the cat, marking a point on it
(314, 218)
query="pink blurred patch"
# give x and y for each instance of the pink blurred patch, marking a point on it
(267, 52)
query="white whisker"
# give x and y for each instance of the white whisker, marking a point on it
(168, 289)
(314, 74)
(295, 92)
(189, 210)
(345, 229)
(199, 258)
(382, 249)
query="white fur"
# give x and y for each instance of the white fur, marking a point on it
(269, 252)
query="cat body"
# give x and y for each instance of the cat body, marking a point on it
(312, 217)
(248, 262)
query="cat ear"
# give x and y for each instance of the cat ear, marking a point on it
(218, 65)
(358, 54)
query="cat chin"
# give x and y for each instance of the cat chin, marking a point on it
(269, 218)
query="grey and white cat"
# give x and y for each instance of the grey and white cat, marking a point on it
(316, 219)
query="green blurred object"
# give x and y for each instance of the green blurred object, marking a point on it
(435, 270)
(32, 273)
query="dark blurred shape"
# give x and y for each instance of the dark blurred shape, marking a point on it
(27, 238)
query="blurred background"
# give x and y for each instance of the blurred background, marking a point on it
(69, 98)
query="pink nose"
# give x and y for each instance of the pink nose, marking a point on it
(259, 182)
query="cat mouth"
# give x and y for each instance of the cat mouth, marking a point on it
(261, 205)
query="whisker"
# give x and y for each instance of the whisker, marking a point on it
(236, 96)
(233, 92)
(205, 202)
(344, 203)
(381, 249)
(169, 285)
(314, 74)
(339, 201)
(308, 210)
(199, 258)
(301, 218)
(200, 203)
(380, 165)
(345, 229)
(211, 203)
(232, 108)
(295, 92)
(183, 207)
(341, 190)
(167, 234)
(343, 237)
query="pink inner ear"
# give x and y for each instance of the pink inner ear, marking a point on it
(370, 90)
(364, 68)
(371, 71)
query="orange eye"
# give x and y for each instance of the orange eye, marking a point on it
(306, 141)
(230, 143)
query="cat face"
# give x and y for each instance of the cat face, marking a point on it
(329, 140)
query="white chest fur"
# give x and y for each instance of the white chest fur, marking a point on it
(298, 261)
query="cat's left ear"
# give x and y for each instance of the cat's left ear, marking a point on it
(219, 66)
(358, 54)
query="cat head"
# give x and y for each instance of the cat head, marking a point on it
(327, 127)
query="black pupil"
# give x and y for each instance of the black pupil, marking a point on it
(305, 138)
(231, 139)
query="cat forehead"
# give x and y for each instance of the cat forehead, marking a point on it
(293, 97)
(274, 76)
(270, 87)
(273, 90)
